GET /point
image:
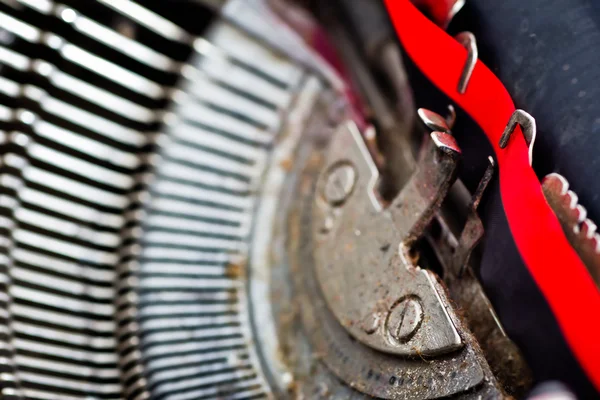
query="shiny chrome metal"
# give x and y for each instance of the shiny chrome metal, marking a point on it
(95, 217)
(86, 59)
(103, 34)
(433, 120)
(150, 20)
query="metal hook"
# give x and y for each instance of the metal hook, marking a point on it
(467, 40)
(527, 123)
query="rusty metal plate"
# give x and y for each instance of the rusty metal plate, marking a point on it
(309, 315)
(361, 251)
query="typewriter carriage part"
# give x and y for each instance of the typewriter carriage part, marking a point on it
(192, 209)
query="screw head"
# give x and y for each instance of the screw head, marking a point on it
(405, 319)
(339, 184)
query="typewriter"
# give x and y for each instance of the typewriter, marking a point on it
(271, 199)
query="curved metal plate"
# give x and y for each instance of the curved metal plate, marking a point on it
(362, 264)
(363, 368)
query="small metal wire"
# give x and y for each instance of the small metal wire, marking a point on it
(467, 40)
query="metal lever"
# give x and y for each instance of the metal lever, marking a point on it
(468, 294)
(473, 231)
(434, 121)
(369, 280)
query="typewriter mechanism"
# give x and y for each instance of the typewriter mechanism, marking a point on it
(248, 199)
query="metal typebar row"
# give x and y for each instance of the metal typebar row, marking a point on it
(116, 282)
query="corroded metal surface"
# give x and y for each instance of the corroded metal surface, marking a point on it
(320, 340)
(362, 261)
(505, 359)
